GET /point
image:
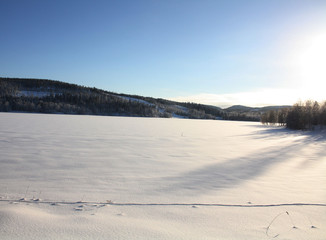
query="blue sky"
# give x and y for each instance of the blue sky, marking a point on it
(209, 51)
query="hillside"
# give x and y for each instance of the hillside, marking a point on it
(239, 112)
(49, 96)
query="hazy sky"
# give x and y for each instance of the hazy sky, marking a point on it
(218, 52)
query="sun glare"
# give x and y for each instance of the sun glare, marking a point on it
(312, 65)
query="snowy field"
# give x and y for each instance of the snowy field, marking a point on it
(92, 177)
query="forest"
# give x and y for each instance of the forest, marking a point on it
(49, 96)
(301, 116)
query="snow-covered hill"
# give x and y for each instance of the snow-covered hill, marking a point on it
(48, 96)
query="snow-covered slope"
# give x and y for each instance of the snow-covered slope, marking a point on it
(39, 94)
(91, 177)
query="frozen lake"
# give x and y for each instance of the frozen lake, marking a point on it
(93, 177)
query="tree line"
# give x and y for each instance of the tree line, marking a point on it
(301, 116)
(59, 97)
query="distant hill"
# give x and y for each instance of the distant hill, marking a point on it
(240, 108)
(49, 96)
(240, 112)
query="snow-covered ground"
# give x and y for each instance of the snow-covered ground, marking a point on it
(135, 100)
(91, 177)
(39, 94)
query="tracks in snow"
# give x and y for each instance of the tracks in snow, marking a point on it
(249, 205)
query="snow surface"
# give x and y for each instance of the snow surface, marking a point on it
(92, 177)
(135, 100)
(39, 94)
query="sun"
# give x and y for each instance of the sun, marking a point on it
(312, 64)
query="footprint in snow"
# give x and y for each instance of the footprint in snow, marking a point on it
(79, 208)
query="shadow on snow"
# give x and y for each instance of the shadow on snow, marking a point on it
(236, 171)
(281, 132)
